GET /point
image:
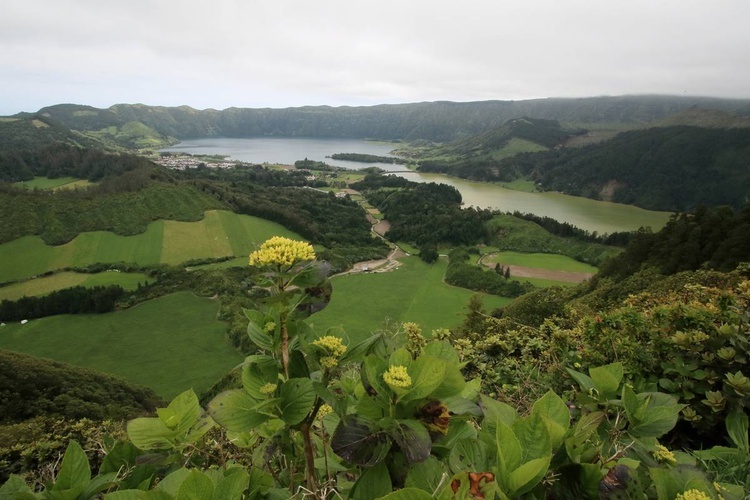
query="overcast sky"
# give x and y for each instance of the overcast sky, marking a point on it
(280, 53)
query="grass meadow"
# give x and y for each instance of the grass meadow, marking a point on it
(58, 281)
(361, 303)
(219, 234)
(169, 344)
(554, 262)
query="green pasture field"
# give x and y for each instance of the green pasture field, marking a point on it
(169, 344)
(58, 281)
(554, 262)
(524, 185)
(45, 183)
(361, 303)
(219, 234)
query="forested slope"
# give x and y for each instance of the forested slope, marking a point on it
(436, 121)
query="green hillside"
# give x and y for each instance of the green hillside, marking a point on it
(217, 234)
(168, 344)
(435, 121)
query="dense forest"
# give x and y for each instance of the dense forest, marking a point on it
(663, 168)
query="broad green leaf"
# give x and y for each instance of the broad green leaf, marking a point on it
(172, 482)
(472, 389)
(495, 410)
(400, 357)
(607, 379)
(257, 371)
(14, 487)
(427, 374)
(358, 442)
(408, 494)
(186, 409)
(737, 428)
(354, 353)
(575, 445)
(138, 495)
(428, 475)
(413, 439)
(233, 483)
(528, 475)
(237, 411)
(657, 420)
(452, 385)
(196, 486)
(633, 406)
(442, 350)
(509, 450)
(296, 400)
(372, 376)
(98, 484)
(469, 454)
(533, 436)
(256, 330)
(584, 381)
(75, 472)
(555, 414)
(374, 483)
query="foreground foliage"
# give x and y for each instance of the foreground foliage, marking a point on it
(394, 417)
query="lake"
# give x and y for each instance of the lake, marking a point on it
(592, 215)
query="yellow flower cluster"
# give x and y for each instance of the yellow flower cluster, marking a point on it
(662, 454)
(397, 376)
(282, 251)
(269, 388)
(332, 344)
(324, 410)
(692, 495)
(329, 361)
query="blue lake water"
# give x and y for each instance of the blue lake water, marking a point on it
(592, 215)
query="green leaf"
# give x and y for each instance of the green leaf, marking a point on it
(583, 430)
(737, 428)
(14, 486)
(296, 400)
(372, 376)
(75, 472)
(186, 410)
(495, 410)
(196, 486)
(533, 436)
(258, 371)
(408, 494)
(469, 454)
(633, 407)
(150, 434)
(556, 416)
(256, 330)
(584, 381)
(413, 439)
(607, 379)
(428, 475)
(232, 485)
(374, 483)
(442, 350)
(237, 411)
(357, 441)
(354, 353)
(427, 374)
(509, 450)
(172, 482)
(400, 357)
(528, 475)
(98, 484)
